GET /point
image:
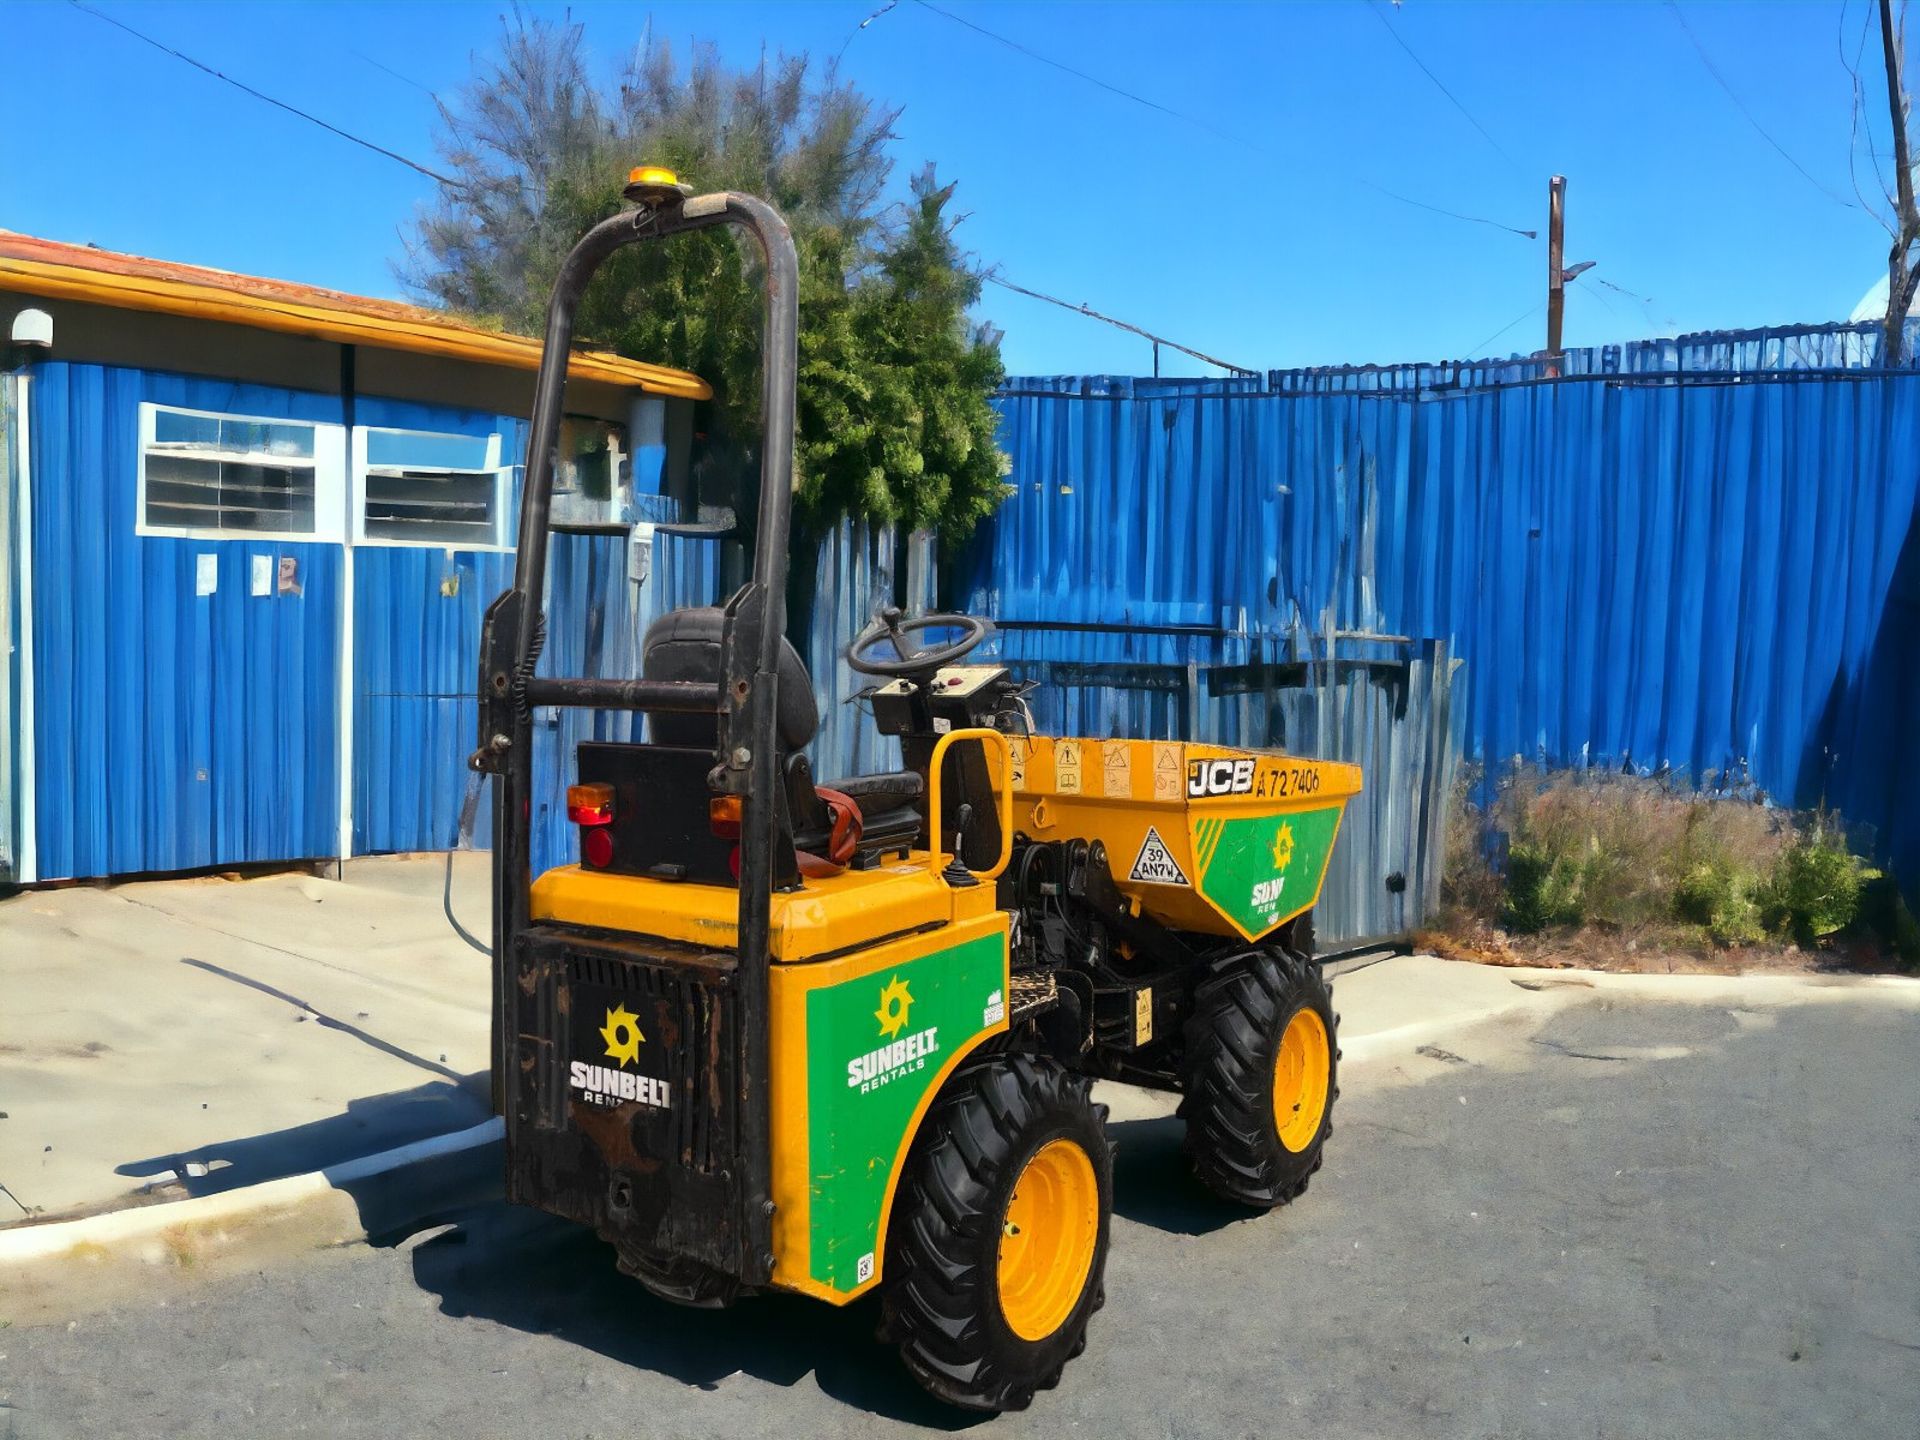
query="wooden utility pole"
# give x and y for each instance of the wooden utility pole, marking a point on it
(1903, 271)
(1556, 272)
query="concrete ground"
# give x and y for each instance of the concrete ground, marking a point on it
(187, 1037)
(183, 1037)
(1556, 1204)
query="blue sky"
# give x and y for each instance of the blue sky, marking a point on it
(1254, 235)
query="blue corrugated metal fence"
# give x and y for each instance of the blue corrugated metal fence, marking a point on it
(1700, 555)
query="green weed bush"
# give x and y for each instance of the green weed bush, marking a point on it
(1632, 853)
(1815, 887)
(1544, 890)
(1723, 901)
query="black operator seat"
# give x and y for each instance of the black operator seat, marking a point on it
(685, 645)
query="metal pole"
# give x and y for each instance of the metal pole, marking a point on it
(1556, 275)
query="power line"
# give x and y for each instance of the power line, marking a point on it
(1480, 345)
(1646, 300)
(1721, 80)
(1080, 309)
(1442, 210)
(1094, 314)
(404, 79)
(434, 175)
(1473, 350)
(1065, 68)
(1631, 295)
(842, 54)
(445, 180)
(1440, 85)
(1202, 123)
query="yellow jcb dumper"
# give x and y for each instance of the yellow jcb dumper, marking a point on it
(775, 1032)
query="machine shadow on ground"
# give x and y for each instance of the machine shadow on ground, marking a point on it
(367, 1126)
(548, 1277)
(545, 1276)
(1152, 1184)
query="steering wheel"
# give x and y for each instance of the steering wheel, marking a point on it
(867, 653)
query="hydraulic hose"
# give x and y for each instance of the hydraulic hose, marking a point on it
(463, 840)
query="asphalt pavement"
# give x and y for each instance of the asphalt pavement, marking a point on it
(1619, 1217)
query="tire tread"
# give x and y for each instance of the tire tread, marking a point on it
(1237, 1016)
(938, 1291)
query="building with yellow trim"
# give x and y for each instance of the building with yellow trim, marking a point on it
(247, 531)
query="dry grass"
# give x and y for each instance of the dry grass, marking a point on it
(1612, 871)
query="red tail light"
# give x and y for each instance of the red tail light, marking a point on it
(590, 804)
(596, 845)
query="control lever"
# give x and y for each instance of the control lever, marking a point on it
(957, 874)
(891, 616)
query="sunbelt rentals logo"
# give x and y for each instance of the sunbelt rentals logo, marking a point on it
(1266, 893)
(609, 1085)
(904, 1054)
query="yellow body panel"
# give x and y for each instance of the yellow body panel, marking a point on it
(824, 917)
(876, 923)
(795, 1185)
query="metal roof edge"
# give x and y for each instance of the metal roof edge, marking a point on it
(418, 332)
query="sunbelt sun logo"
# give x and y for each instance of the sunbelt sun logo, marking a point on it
(1266, 893)
(903, 1054)
(607, 1085)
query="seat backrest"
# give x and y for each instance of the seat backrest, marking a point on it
(685, 645)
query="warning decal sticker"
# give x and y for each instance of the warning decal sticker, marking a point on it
(1066, 767)
(1155, 863)
(1167, 780)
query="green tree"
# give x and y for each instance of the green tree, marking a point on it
(894, 421)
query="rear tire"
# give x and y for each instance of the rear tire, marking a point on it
(997, 1248)
(1261, 1072)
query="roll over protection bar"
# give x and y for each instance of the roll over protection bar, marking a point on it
(746, 702)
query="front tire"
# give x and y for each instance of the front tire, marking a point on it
(996, 1253)
(1261, 1071)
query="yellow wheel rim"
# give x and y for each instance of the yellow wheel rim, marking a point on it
(1047, 1239)
(1300, 1079)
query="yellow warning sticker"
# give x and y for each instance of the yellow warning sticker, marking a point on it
(1066, 767)
(1017, 756)
(1166, 771)
(1116, 758)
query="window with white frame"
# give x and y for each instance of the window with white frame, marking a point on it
(415, 487)
(206, 473)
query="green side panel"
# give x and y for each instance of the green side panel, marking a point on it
(874, 1046)
(1260, 870)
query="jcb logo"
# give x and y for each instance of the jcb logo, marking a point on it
(1219, 777)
